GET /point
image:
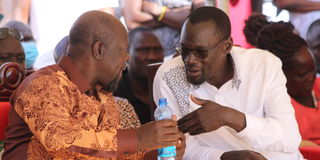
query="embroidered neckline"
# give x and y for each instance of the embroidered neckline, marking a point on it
(236, 81)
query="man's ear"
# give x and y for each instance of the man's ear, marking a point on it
(228, 45)
(97, 50)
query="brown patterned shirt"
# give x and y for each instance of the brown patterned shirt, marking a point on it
(57, 115)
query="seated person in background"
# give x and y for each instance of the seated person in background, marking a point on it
(61, 48)
(242, 109)
(10, 47)
(144, 48)
(28, 42)
(66, 111)
(299, 68)
(253, 25)
(313, 39)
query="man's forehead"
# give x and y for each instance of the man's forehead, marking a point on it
(146, 39)
(205, 33)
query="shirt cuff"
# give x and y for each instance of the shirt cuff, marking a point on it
(127, 141)
(253, 125)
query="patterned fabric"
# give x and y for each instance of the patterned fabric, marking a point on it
(68, 119)
(176, 80)
(59, 128)
(128, 116)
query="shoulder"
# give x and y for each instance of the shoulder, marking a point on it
(255, 59)
(43, 80)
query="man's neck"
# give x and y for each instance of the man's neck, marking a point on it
(83, 64)
(226, 73)
(306, 100)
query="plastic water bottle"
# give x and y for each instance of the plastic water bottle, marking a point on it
(164, 112)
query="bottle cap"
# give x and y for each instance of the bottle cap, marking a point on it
(162, 101)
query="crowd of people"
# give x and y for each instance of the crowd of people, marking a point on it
(228, 102)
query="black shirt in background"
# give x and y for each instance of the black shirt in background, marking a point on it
(124, 91)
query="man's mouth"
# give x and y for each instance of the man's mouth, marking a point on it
(193, 73)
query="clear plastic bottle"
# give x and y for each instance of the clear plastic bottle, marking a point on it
(164, 112)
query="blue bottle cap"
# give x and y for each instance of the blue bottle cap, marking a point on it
(162, 101)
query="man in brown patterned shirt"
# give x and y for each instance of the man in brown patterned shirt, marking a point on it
(66, 111)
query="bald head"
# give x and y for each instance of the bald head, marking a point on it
(93, 26)
(98, 44)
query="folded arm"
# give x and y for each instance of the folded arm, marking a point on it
(297, 5)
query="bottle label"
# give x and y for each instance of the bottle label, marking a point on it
(167, 152)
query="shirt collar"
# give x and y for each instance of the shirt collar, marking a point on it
(75, 75)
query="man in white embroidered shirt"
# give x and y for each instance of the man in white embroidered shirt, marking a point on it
(232, 102)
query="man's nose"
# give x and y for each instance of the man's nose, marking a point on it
(154, 55)
(191, 59)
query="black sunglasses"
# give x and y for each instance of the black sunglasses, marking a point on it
(201, 53)
(6, 32)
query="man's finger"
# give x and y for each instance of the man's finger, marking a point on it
(174, 117)
(197, 131)
(184, 126)
(190, 129)
(198, 101)
(169, 130)
(167, 123)
(182, 137)
(186, 118)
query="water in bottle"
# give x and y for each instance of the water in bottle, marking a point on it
(164, 112)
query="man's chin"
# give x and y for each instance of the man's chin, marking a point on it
(195, 81)
(112, 86)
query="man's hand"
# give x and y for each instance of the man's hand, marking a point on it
(211, 116)
(158, 134)
(242, 155)
(151, 8)
(181, 146)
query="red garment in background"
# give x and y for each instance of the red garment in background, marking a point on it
(309, 118)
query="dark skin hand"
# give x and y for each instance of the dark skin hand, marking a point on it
(158, 134)
(211, 116)
(242, 155)
(181, 146)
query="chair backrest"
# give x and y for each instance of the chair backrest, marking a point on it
(11, 75)
(152, 70)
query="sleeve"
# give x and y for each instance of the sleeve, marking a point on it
(69, 130)
(278, 130)
(193, 151)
